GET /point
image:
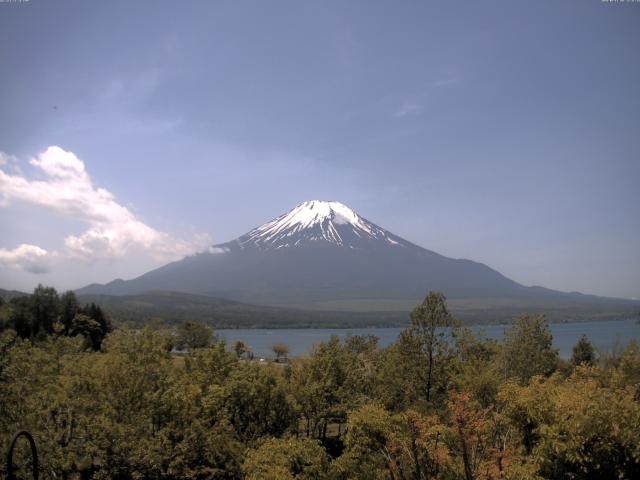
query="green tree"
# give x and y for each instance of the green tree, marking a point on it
(87, 327)
(287, 458)
(19, 317)
(281, 350)
(477, 366)
(192, 335)
(327, 385)
(361, 344)
(584, 429)
(256, 402)
(367, 452)
(583, 352)
(240, 348)
(44, 313)
(528, 349)
(68, 309)
(397, 385)
(627, 373)
(96, 313)
(210, 366)
(44, 305)
(427, 342)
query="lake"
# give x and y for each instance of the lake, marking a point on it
(603, 334)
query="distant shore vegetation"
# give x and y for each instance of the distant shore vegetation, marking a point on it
(176, 402)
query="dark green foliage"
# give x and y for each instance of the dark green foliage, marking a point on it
(427, 343)
(281, 350)
(256, 404)
(240, 348)
(20, 317)
(287, 458)
(68, 309)
(320, 386)
(44, 310)
(361, 344)
(95, 311)
(583, 352)
(528, 349)
(87, 327)
(192, 335)
(45, 313)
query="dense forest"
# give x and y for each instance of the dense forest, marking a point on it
(440, 403)
(45, 313)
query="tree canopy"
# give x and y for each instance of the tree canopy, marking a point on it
(133, 407)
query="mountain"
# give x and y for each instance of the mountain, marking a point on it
(323, 255)
(7, 295)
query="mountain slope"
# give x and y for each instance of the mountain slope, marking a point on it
(7, 295)
(324, 255)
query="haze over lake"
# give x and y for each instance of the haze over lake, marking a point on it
(605, 335)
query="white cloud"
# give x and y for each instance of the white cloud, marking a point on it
(113, 230)
(26, 257)
(217, 249)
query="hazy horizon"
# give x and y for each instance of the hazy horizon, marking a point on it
(135, 133)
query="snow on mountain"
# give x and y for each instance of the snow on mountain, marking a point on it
(318, 222)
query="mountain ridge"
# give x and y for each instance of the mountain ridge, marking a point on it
(325, 253)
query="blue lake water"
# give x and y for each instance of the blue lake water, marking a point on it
(604, 334)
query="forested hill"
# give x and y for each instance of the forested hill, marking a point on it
(453, 405)
(175, 307)
(9, 294)
(45, 312)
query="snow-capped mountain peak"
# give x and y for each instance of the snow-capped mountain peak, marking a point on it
(316, 211)
(318, 222)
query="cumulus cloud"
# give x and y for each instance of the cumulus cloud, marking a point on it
(26, 257)
(113, 230)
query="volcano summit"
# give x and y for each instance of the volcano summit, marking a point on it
(323, 255)
(314, 222)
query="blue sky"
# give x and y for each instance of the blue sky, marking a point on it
(505, 132)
